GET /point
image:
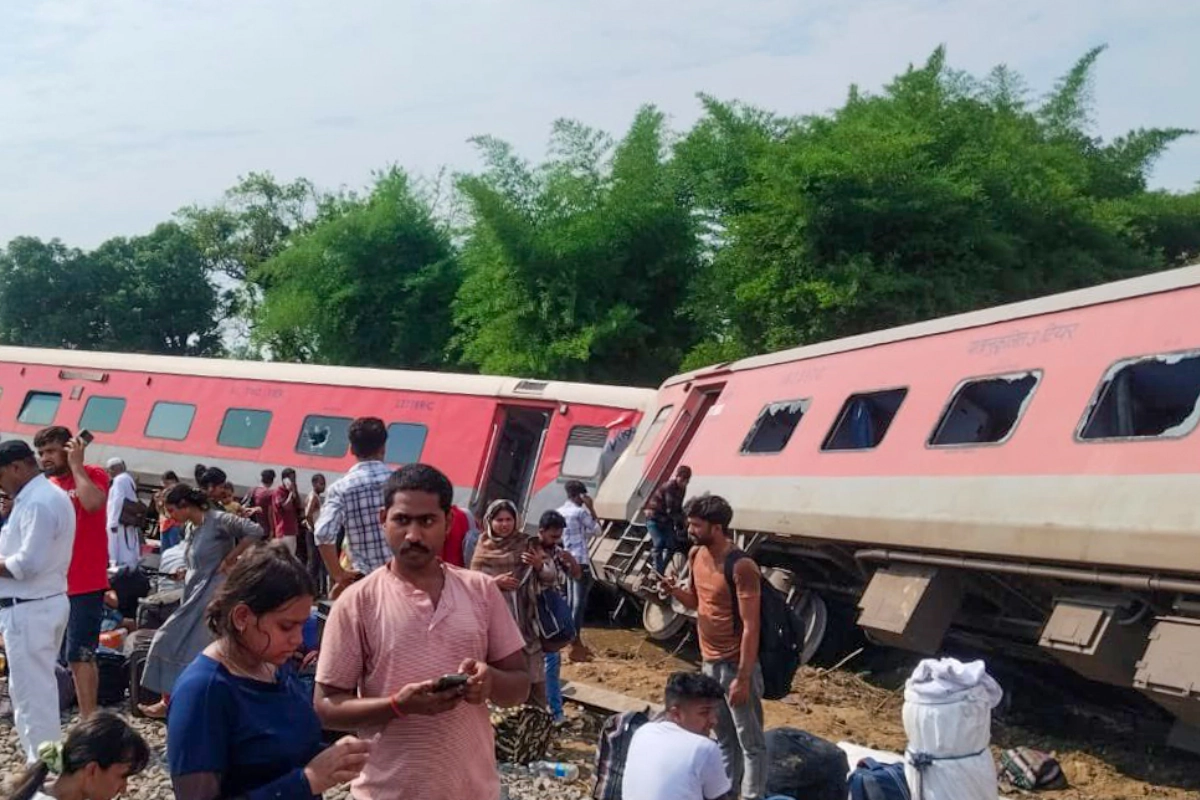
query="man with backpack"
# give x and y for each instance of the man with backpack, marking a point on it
(729, 625)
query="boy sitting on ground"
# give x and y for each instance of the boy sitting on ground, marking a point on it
(673, 758)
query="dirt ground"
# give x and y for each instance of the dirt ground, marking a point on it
(1104, 757)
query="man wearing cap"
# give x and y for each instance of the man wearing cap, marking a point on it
(35, 553)
(124, 541)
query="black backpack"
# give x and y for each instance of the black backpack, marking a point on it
(780, 640)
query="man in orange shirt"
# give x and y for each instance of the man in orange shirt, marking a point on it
(394, 633)
(61, 457)
(728, 641)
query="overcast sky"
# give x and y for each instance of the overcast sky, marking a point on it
(113, 114)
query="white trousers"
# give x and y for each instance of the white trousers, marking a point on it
(125, 546)
(33, 635)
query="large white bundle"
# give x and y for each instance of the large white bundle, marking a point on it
(948, 718)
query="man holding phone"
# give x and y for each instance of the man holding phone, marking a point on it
(62, 456)
(582, 525)
(287, 510)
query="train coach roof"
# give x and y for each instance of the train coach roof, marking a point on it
(407, 380)
(1105, 293)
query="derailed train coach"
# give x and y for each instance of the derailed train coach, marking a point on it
(1024, 477)
(493, 436)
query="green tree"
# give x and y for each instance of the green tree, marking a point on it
(370, 283)
(576, 268)
(49, 296)
(941, 194)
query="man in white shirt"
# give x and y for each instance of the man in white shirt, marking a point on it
(35, 552)
(124, 541)
(673, 758)
(582, 525)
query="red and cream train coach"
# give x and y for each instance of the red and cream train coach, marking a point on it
(493, 436)
(1027, 476)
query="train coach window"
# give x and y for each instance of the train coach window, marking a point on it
(170, 420)
(39, 408)
(405, 442)
(1145, 398)
(774, 426)
(864, 420)
(585, 446)
(102, 414)
(985, 410)
(324, 436)
(244, 427)
(660, 419)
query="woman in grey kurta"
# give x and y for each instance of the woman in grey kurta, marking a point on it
(215, 542)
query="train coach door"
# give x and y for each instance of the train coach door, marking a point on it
(692, 412)
(518, 434)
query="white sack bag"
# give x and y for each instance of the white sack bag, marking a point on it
(948, 718)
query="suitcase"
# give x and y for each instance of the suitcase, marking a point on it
(114, 677)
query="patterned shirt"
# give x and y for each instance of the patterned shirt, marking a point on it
(354, 501)
(384, 633)
(581, 527)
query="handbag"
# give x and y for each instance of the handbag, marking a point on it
(133, 513)
(556, 624)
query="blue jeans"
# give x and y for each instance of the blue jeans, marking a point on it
(554, 685)
(577, 597)
(663, 537)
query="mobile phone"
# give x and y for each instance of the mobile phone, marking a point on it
(86, 436)
(447, 682)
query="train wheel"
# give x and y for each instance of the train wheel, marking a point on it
(661, 621)
(814, 619)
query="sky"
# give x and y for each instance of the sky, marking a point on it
(115, 113)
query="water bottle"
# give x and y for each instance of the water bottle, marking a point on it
(556, 769)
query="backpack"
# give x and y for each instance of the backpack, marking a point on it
(780, 640)
(874, 781)
(612, 750)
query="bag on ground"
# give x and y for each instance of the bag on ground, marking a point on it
(948, 718)
(781, 636)
(1029, 769)
(803, 765)
(874, 781)
(612, 750)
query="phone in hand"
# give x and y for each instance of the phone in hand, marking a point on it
(448, 682)
(86, 436)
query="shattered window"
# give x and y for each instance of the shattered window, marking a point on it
(985, 410)
(1146, 398)
(774, 427)
(324, 436)
(864, 420)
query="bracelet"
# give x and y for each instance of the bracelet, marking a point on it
(395, 706)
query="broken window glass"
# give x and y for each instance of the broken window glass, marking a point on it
(864, 420)
(1146, 398)
(324, 436)
(985, 411)
(774, 426)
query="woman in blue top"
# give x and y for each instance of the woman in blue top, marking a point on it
(240, 724)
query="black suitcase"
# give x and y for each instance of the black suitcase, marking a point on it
(114, 677)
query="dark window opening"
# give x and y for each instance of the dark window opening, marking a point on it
(405, 442)
(585, 447)
(39, 408)
(244, 427)
(985, 411)
(864, 420)
(660, 419)
(170, 420)
(102, 414)
(324, 436)
(1146, 398)
(774, 427)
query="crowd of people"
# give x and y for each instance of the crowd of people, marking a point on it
(433, 616)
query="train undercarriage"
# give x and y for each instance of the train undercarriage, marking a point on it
(1133, 630)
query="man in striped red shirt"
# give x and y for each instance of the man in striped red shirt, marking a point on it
(394, 633)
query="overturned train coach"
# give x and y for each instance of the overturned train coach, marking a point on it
(1025, 477)
(493, 436)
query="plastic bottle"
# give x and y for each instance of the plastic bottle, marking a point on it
(556, 769)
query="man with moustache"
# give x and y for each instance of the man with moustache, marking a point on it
(440, 620)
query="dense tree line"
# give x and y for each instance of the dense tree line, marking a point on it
(624, 259)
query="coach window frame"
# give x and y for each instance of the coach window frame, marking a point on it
(304, 427)
(270, 417)
(805, 404)
(39, 393)
(562, 468)
(90, 425)
(661, 417)
(1100, 392)
(391, 437)
(1038, 373)
(841, 415)
(150, 420)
